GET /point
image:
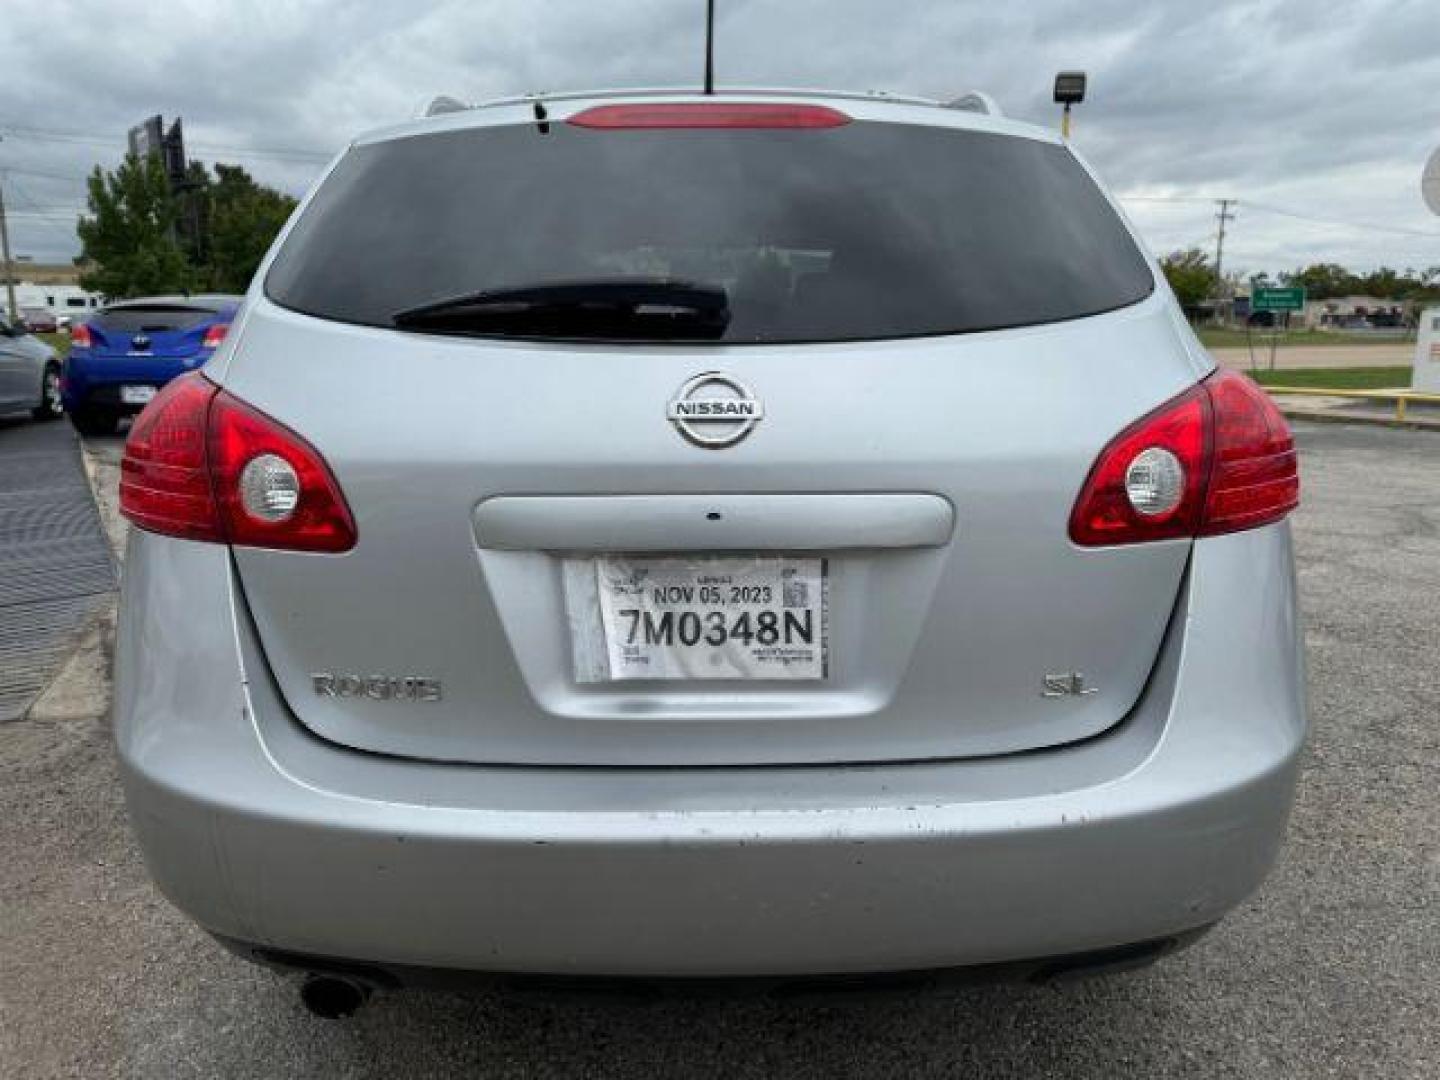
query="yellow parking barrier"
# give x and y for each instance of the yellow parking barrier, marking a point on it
(1401, 398)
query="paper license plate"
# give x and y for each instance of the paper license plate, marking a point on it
(136, 395)
(749, 617)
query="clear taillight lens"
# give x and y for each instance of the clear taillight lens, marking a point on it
(203, 465)
(1216, 459)
(1155, 482)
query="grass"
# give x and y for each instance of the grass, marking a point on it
(1354, 378)
(61, 342)
(1222, 337)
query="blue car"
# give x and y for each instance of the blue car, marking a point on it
(128, 350)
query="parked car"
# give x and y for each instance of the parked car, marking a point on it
(128, 350)
(29, 374)
(665, 535)
(39, 320)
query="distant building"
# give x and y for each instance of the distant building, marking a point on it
(1357, 313)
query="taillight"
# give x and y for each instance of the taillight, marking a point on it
(1107, 510)
(709, 115)
(203, 465)
(273, 489)
(214, 335)
(1254, 477)
(164, 483)
(1219, 458)
(80, 337)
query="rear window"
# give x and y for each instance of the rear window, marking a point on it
(871, 230)
(155, 319)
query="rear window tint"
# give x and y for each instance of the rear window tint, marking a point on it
(871, 230)
(150, 320)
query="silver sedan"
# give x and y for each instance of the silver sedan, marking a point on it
(29, 374)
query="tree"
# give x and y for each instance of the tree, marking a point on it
(1324, 281)
(243, 218)
(145, 237)
(1191, 276)
(1383, 282)
(130, 240)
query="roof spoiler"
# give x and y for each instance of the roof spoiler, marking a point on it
(439, 106)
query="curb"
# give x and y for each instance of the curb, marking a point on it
(1332, 416)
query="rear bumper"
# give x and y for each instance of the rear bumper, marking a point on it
(266, 835)
(95, 382)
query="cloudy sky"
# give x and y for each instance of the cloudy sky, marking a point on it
(1317, 115)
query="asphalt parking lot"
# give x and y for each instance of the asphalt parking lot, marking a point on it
(1332, 970)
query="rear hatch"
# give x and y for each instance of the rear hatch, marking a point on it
(937, 329)
(165, 330)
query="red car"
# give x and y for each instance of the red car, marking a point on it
(39, 321)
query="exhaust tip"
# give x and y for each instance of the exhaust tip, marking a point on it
(333, 998)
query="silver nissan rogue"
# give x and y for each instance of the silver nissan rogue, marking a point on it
(654, 534)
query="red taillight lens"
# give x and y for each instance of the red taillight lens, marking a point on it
(319, 521)
(186, 461)
(164, 483)
(215, 335)
(1255, 478)
(1105, 514)
(80, 337)
(1227, 463)
(709, 115)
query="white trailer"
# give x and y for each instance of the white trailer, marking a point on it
(63, 301)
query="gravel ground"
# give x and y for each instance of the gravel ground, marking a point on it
(1332, 970)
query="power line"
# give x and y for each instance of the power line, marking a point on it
(1166, 198)
(1251, 204)
(67, 177)
(96, 138)
(1397, 230)
(55, 220)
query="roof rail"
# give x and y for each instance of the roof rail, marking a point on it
(977, 101)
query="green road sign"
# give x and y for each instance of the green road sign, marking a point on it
(1289, 299)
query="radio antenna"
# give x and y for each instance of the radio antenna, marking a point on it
(709, 46)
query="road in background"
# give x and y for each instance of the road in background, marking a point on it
(1315, 356)
(1332, 970)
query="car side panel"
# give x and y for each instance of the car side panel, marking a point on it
(22, 366)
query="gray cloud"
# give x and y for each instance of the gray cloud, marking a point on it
(1323, 108)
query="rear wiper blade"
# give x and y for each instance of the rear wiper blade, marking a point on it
(622, 308)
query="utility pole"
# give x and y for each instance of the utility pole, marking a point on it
(1223, 216)
(9, 266)
(5, 255)
(709, 46)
